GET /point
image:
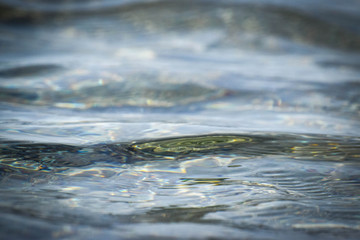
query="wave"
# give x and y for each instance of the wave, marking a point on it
(235, 20)
(302, 147)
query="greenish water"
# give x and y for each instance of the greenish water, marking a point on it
(179, 119)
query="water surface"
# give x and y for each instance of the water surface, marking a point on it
(179, 119)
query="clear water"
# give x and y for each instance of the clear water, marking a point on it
(179, 119)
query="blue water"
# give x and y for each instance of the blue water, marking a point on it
(179, 119)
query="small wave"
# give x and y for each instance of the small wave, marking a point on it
(48, 156)
(151, 94)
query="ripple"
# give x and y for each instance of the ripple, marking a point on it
(204, 179)
(148, 93)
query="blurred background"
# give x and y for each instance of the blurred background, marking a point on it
(177, 67)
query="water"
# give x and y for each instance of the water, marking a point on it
(179, 119)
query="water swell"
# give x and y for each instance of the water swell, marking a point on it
(48, 156)
(235, 20)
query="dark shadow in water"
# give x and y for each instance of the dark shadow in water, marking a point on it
(29, 70)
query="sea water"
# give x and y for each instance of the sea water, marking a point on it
(179, 119)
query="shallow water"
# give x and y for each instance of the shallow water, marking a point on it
(179, 119)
